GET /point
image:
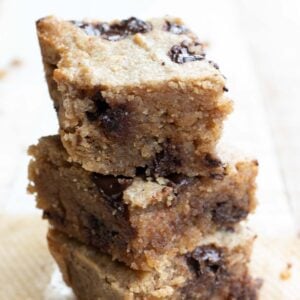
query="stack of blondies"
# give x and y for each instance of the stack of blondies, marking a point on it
(142, 202)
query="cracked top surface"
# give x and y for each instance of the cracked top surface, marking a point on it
(126, 53)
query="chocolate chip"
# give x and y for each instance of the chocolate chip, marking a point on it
(207, 261)
(186, 52)
(166, 161)
(100, 107)
(142, 172)
(134, 25)
(227, 214)
(175, 28)
(111, 188)
(115, 31)
(114, 120)
(211, 161)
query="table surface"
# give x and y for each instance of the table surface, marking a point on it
(256, 43)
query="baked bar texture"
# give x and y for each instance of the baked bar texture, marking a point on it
(134, 94)
(137, 219)
(216, 269)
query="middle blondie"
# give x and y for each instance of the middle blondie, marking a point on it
(137, 219)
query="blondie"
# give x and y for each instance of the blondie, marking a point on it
(136, 220)
(134, 94)
(216, 269)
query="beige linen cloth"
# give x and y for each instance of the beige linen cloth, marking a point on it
(26, 266)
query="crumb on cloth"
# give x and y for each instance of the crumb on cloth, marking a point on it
(286, 273)
(13, 63)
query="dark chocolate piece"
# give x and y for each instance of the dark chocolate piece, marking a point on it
(176, 28)
(186, 52)
(207, 262)
(116, 31)
(226, 213)
(166, 161)
(114, 120)
(112, 189)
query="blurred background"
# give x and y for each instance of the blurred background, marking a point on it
(257, 46)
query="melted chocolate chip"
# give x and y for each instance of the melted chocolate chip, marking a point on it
(207, 261)
(101, 107)
(114, 120)
(175, 28)
(185, 53)
(166, 161)
(225, 89)
(111, 188)
(116, 31)
(227, 214)
(211, 161)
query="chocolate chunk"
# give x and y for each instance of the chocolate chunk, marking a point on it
(211, 161)
(225, 89)
(142, 172)
(115, 120)
(227, 214)
(134, 25)
(175, 28)
(186, 52)
(92, 29)
(116, 31)
(112, 189)
(166, 161)
(101, 107)
(207, 262)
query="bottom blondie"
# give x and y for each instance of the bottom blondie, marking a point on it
(215, 269)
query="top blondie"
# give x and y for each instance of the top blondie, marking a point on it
(134, 94)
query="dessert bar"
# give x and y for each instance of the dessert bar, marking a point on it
(136, 220)
(216, 269)
(134, 93)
